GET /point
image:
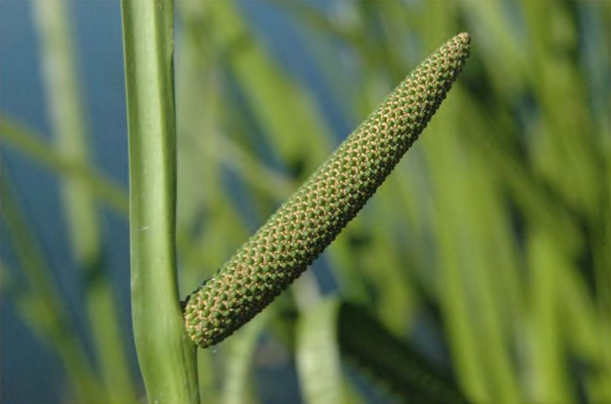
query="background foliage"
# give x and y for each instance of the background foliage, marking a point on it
(486, 253)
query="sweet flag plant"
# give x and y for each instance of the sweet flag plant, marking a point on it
(316, 213)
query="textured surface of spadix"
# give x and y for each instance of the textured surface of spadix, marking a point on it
(312, 217)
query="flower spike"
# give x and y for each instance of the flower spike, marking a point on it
(316, 213)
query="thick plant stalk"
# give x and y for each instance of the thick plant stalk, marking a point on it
(165, 354)
(309, 221)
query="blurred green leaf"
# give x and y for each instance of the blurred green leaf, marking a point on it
(40, 303)
(31, 145)
(240, 357)
(66, 113)
(548, 367)
(318, 354)
(404, 370)
(283, 109)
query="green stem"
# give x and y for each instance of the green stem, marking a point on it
(166, 355)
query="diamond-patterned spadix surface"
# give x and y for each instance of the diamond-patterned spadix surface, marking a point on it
(312, 217)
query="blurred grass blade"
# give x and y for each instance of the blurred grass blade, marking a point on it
(239, 362)
(386, 269)
(67, 114)
(197, 88)
(320, 20)
(447, 222)
(602, 259)
(283, 109)
(252, 170)
(406, 372)
(318, 354)
(324, 34)
(40, 303)
(484, 288)
(208, 219)
(587, 332)
(166, 356)
(469, 224)
(51, 327)
(31, 145)
(207, 378)
(563, 138)
(547, 368)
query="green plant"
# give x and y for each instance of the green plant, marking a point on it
(167, 359)
(284, 247)
(311, 219)
(483, 258)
